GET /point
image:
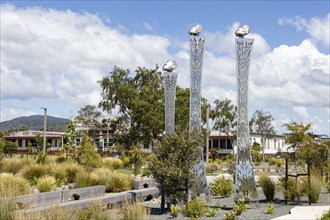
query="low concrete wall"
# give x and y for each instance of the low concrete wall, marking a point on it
(83, 193)
(109, 199)
(144, 183)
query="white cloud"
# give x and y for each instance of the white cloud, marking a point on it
(317, 28)
(47, 53)
(13, 112)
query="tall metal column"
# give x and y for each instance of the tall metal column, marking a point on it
(170, 79)
(196, 61)
(244, 178)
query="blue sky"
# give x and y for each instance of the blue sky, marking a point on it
(53, 52)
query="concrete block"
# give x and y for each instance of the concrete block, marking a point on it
(40, 199)
(144, 183)
(82, 193)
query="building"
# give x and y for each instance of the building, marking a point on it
(55, 140)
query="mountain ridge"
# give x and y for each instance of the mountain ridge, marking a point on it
(35, 122)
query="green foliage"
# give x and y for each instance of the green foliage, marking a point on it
(112, 163)
(33, 172)
(119, 183)
(41, 158)
(240, 206)
(295, 189)
(195, 208)
(136, 159)
(255, 152)
(39, 142)
(315, 188)
(212, 167)
(87, 154)
(86, 179)
(11, 185)
(268, 186)
(14, 165)
(9, 147)
(71, 136)
(71, 169)
(211, 212)
(175, 157)
(174, 211)
(224, 116)
(230, 215)
(46, 183)
(270, 209)
(89, 118)
(221, 187)
(325, 216)
(60, 159)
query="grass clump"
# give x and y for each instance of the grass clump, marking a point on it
(268, 186)
(270, 209)
(14, 165)
(11, 185)
(133, 211)
(33, 172)
(112, 163)
(221, 187)
(240, 207)
(174, 211)
(46, 183)
(119, 183)
(195, 208)
(71, 169)
(230, 215)
(86, 179)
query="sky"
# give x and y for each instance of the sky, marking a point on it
(54, 52)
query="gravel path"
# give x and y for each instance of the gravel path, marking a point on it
(255, 211)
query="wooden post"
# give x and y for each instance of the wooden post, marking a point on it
(162, 202)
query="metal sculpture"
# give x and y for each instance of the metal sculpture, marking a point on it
(244, 179)
(196, 61)
(170, 79)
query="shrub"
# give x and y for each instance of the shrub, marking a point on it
(174, 211)
(221, 187)
(212, 167)
(229, 215)
(315, 188)
(11, 185)
(85, 179)
(112, 162)
(119, 183)
(268, 186)
(33, 172)
(60, 159)
(325, 216)
(134, 211)
(46, 183)
(240, 207)
(59, 173)
(71, 170)
(211, 212)
(195, 208)
(14, 165)
(270, 209)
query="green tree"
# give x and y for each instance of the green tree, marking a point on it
(136, 159)
(255, 152)
(87, 154)
(71, 135)
(175, 156)
(39, 142)
(224, 117)
(89, 117)
(261, 123)
(140, 98)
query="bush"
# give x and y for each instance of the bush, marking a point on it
(60, 159)
(59, 173)
(119, 183)
(270, 209)
(221, 187)
(316, 187)
(195, 208)
(11, 185)
(112, 163)
(33, 172)
(46, 183)
(14, 165)
(240, 207)
(85, 179)
(174, 211)
(325, 216)
(268, 186)
(212, 167)
(71, 170)
(229, 215)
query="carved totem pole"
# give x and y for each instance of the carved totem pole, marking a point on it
(245, 186)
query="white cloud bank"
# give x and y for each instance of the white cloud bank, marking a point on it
(60, 56)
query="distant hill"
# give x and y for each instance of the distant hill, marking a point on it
(35, 122)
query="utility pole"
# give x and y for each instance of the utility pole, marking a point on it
(45, 126)
(207, 134)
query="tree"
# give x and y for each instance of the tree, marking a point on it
(89, 118)
(255, 152)
(261, 123)
(87, 154)
(71, 136)
(224, 116)
(175, 156)
(39, 142)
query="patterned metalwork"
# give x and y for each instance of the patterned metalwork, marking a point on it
(244, 179)
(196, 61)
(170, 91)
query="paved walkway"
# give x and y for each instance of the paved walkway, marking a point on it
(305, 212)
